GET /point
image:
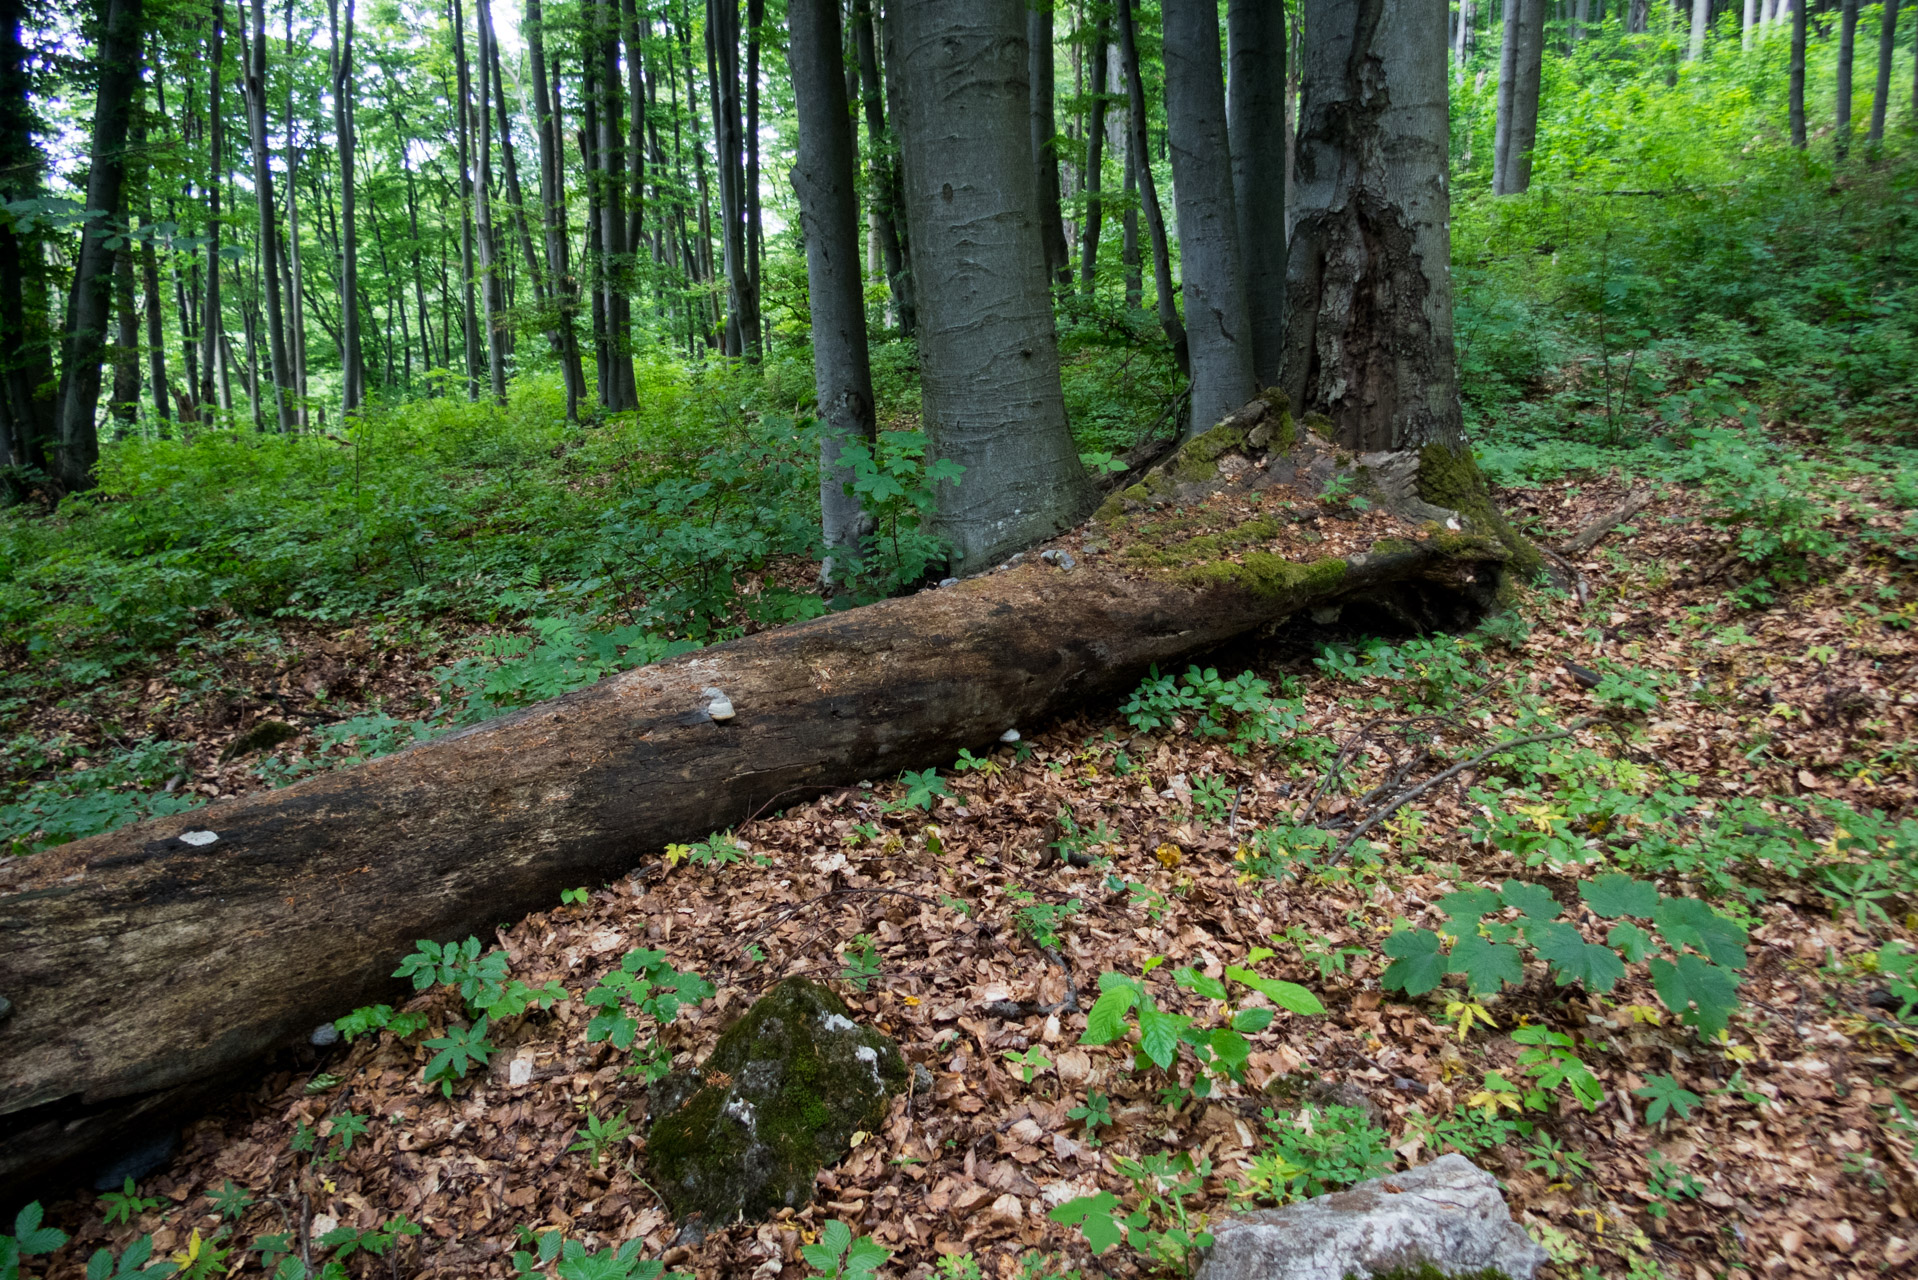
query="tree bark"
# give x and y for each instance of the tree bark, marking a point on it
(287, 909)
(1881, 88)
(492, 296)
(621, 393)
(1797, 108)
(462, 133)
(124, 403)
(27, 384)
(742, 308)
(352, 367)
(1521, 62)
(90, 301)
(988, 351)
(1139, 154)
(882, 160)
(254, 91)
(1041, 73)
(1701, 23)
(829, 216)
(1847, 44)
(1095, 155)
(1211, 273)
(1255, 119)
(1370, 340)
(551, 198)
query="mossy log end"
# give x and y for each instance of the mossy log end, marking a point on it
(151, 967)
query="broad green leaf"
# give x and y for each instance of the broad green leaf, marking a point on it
(1533, 901)
(1486, 964)
(1159, 1034)
(1691, 981)
(1465, 907)
(836, 1236)
(1417, 965)
(1197, 983)
(1251, 1021)
(865, 1257)
(1663, 1094)
(1617, 894)
(1573, 959)
(1286, 995)
(30, 1237)
(1630, 941)
(1106, 1022)
(1689, 922)
(1093, 1216)
(1231, 1049)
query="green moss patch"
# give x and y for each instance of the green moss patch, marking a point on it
(1450, 478)
(779, 1098)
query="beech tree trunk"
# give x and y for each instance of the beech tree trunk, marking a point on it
(1212, 277)
(1139, 160)
(1045, 161)
(1255, 119)
(352, 365)
(90, 301)
(27, 399)
(1881, 87)
(1521, 63)
(989, 354)
(1369, 344)
(235, 929)
(883, 159)
(1797, 107)
(1095, 157)
(829, 217)
(254, 85)
(1847, 44)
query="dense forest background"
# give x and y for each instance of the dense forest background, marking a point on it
(378, 277)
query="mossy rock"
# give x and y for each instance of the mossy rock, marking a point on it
(1450, 478)
(779, 1098)
(261, 737)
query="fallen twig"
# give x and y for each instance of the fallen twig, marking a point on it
(1594, 532)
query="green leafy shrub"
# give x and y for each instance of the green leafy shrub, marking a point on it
(113, 788)
(1316, 1150)
(653, 989)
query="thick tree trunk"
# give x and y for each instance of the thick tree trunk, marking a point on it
(1370, 342)
(989, 355)
(352, 368)
(1847, 44)
(236, 929)
(1701, 23)
(1211, 273)
(1881, 87)
(1255, 114)
(829, 217)
(90, 300)
(1040, 72)
(27, 385)
(1139, 156)
(1521, 62)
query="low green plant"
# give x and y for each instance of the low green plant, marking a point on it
(1555, 1160)
(1321, 952)
(1093, 1113)
(715, 852)
(600, 1136)
(28, 1240)
(1668, 1184)
(1470, 1130)
(861, 963)
(1038, 920)
(1665, 1095)
(1163, 1228)
(345, 1241)
(127, 1204)
(1241, 709)
(1028, 1064)
(460, 1049)
(1697, 980)
(1320, 1149)
(380, 1017)
(1551, 1059)
(92, 793)
(922, 789)
(575, 1261)
(838, 1255)
(653, 989)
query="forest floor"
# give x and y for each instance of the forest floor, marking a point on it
(1794, 1155)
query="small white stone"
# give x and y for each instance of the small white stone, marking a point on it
(324, 1036)
(198, 837)
(1010, 735)
(866, 1053)
(520, 1072)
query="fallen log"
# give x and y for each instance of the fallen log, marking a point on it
(150, 967)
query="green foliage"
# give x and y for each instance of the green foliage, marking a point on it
(861, 964)
(380, 1017)
(83, 795)
(1028, 1064)
(715, 852)
(28, 1240)
(922, 786)
(1663, 1094)
(1428, 674)
(1162, 1229)
(601, 1136)
(127, 1204)
(839, 1256)
(1316, 1150)
(1551, 1058)
(898, 489)
(1038, 920)
(1695, 981)
(460, 1049)
(1241, 710)
(655, 990)
(345, 1241)
(133, 1262)
(1094, 1112)
(1668, 1184)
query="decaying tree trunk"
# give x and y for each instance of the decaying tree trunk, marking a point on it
(150, 967)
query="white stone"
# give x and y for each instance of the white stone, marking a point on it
(198, 838)
(1448, 1213)
(1010, 735)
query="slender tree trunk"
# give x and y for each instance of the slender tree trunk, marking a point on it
(213, 324)
(28, 389)
(761, 337)
(610, 143)
(150, 286)
(1581, 17)
(1040, 70)
(551, 199)
(722, 64)
(1140, 153)
(1521, 57)
(90, 302)
(1212, 276)
(492, 299)
(1129, 220)
(1369, 345)
(254, 91)
(352, 368)
(1095, 155)
(1847, 43)
(462, 128)
(295, 300)
(1881, 88)
(1461, 36)
(1797, 107)
(882, 159)
(1255, 111)
(1637, 15)
(989, 355)
(124, 402)
(1701, 23)
(829, 212)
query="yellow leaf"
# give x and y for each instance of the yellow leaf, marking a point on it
(191, 1254)
(1645, 1013)
(913, 1001)
(858, 1138)
(676, 854)
(1168, 855)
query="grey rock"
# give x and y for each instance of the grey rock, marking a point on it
(324, 1036)
(1448, 1214)
(137, 1161)
(1060, 559)
(780, 1097)
(948, 582)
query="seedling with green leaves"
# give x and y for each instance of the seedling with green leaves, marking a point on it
(860, 963)
(839, 1256)
(1696, 980)
(1162, 1228)
(1664, 1095)
(1551, 1058)
(600, 1136)
(1030, 1063)
(380, 1017)
(1038, 919)
(460, 1049)
(654, 989)
(127, 1204)
(1095, 1111)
